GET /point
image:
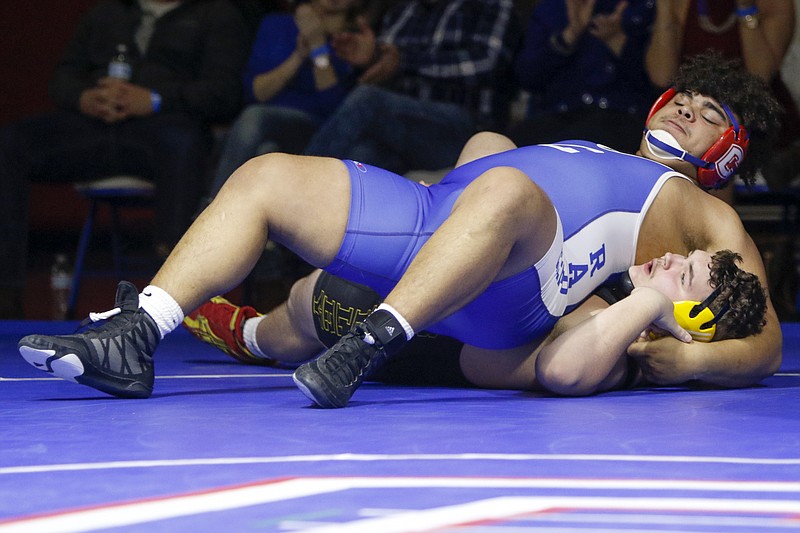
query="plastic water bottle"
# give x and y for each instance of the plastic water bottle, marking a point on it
(60, 283)
(119, 67)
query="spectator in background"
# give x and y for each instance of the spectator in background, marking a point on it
(186, 59)
(784, 170)
(758, 32)
(790, 69)
(292, 82)
(583, 63)
(438, 71)
(254, 10)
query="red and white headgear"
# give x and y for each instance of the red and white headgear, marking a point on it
(720, 161)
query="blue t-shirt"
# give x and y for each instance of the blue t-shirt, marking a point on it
(274, 43)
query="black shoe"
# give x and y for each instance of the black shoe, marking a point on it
(115, 357)
(331, 379)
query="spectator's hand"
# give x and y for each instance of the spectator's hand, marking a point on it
(96, 102)
(303, 49)
(127, 99)
(579, 16)
(310, 25)
(384, 68)
(357, 48)
(608, 28)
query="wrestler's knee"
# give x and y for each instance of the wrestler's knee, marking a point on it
(300, 301)
(497, 141)
(261, 178)
(483, 144)
(507, 193)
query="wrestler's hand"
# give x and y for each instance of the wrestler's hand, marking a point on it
(663, 361)
(662, 315)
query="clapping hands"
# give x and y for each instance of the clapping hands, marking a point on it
(606, 27)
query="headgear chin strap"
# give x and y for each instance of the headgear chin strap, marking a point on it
(720, 161)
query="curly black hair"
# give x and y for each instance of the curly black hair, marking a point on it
(729, 82)
(741, 293)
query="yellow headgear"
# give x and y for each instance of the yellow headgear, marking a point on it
(697, 317)
(701, 326)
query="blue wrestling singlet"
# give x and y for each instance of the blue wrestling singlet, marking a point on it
(601, 197)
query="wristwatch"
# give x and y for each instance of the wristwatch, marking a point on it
(321, 56)
(750, 21)
(748, 16)
(322, 61)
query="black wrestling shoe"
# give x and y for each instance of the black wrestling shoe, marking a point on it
(331, 379)
(115, 357)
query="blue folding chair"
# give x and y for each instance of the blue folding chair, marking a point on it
(117, 192)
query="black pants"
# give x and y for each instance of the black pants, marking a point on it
(66, 146)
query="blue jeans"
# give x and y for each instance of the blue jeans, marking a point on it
(393, 131)
(262, 129)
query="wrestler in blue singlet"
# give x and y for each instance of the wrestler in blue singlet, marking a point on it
(601, 197)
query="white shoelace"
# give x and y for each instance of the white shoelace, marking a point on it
(105, 315)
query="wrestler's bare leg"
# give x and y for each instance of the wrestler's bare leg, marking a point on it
(512, 369)
(261, 200)
(287, 333)
(486, 237)
(501, 224)
(497, 369)
(483, 144)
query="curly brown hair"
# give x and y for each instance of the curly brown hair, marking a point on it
(729, 82)
(742, 294)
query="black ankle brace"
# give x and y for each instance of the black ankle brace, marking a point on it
(387, 332)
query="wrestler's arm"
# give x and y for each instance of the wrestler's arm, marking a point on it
(727, 363)
(586, 354)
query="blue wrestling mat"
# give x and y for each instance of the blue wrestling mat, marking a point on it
(225, 447)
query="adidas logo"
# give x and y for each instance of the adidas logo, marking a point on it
(390, 330)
